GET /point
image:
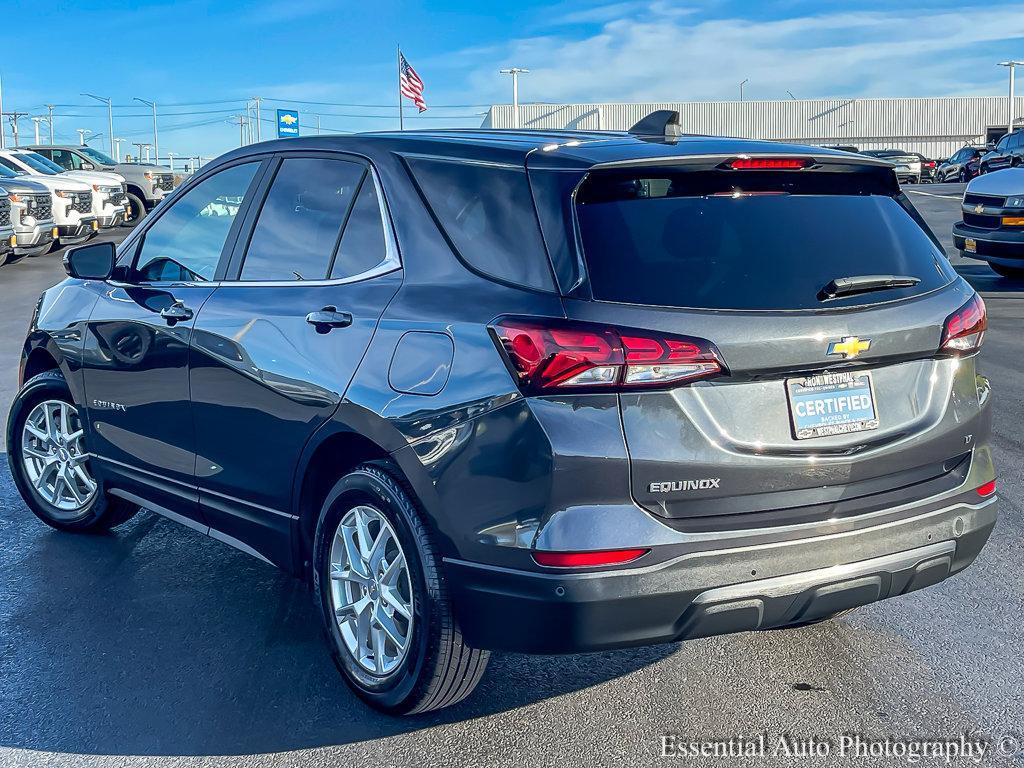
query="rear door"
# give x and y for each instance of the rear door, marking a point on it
(823, 397)
(275, 348)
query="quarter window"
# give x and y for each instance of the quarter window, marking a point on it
(363, 245)
(299, 227)
(186, 242)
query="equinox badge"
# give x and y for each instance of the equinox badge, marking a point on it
(850, 346)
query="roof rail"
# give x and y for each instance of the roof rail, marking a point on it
(663, 122)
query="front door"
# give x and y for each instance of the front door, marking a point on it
(137, 344)
(275, 348)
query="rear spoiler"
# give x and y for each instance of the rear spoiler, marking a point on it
(663, 123)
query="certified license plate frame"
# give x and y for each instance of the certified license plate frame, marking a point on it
(827, 384)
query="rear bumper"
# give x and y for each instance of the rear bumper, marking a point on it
(702, 593)
(992, 243)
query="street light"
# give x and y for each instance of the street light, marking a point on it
(81, 135)
(170, 160)
(744, 82)
(156, 140)
(117, 149)
(515, 72)
(1012, 65)
(110, 117)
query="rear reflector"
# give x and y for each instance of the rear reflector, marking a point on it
(987, 489)
(588, 559)
(964, 330)
(769, 163)
(549, 354)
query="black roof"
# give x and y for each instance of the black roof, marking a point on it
(552, 148)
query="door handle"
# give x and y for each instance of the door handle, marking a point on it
(327, 318)
(176, 313)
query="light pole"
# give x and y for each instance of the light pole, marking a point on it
(117, 149)
(259, 131)
(81, 135)
(110, 117)
(744, 82)
(36, 119)
(515, 72)
(156, 140)
(1011, 65)
(49, 109)
(170, 160)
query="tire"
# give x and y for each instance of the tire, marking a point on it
(963, 178)
(97, 512)
(1014, 272)
(138, 210)
(437, 669)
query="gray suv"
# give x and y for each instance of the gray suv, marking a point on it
(525, 391)
(147, 183)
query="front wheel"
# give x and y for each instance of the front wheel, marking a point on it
(50, 462)
(136, 210)
(384, 601)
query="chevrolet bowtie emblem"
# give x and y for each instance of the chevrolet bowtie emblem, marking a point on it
(850, 346)
(979, 208)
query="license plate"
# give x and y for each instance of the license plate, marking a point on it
(831, 404)
(971, 245)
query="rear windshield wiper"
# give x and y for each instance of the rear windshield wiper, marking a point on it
(847, 286)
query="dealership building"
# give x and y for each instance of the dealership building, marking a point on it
(935, 127)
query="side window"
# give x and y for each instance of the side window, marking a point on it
(185, 243)
(64, 158)
(299, 226)
(7, 163)
(1003, 143)
(362, 245)
(488, 215)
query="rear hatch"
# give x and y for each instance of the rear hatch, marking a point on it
(822, 299)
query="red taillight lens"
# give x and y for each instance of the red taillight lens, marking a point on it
(769, 163)
(987, 489)
(553, 354)
(964, 330)
(588, 559)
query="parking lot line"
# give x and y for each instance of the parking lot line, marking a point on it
(932, 194)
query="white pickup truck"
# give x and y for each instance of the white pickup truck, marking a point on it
(71, 201)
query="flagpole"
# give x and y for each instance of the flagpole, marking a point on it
(401, 117)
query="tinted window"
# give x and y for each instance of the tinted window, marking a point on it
(11, 165)
(298, 228)
(487, 213)
(66, 159)
(758, 240)
(362, 245)
(185, 243)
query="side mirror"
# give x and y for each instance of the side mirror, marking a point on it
(90, 262)
(87, 166)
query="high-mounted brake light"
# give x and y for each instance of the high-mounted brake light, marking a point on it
(549, 355)
(769, 163)
(964, 330)
(588, 559)
(987, 489)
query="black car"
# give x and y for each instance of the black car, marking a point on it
(1008, 152)
(543, 392)
(963, 165)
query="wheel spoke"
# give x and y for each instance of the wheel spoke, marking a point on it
(36, 432)
(48, 420)
(393, 571)
(378, 650)
(353, 553)
(394, 599)
(347, 574)
(63, 420)
(37, 454)
(70, 484)
(380, 545)
(387, 624)
(363, 534)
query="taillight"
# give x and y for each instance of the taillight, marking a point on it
(964, 330)
(768, 163)
(987, 489)
(588, 559)
(552, 355)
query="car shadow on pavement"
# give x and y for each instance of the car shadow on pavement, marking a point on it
(983, 279)
(155, 640)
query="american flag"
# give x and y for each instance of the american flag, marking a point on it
(410, 84)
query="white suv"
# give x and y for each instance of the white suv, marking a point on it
(109, 195)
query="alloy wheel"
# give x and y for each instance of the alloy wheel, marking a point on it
(55, 458)
(371, 591)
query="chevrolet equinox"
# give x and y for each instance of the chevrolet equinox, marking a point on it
(534, 391)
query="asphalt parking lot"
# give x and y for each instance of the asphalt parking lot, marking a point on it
(155, 646)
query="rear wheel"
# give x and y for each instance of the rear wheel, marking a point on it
(963, 177)
(1005, 271)
(137, 209)
(384, 601)
(50, 462)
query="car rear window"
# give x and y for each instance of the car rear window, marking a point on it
(486, 210)
(756, 240)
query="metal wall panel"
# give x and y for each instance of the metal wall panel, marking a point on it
(935, 127)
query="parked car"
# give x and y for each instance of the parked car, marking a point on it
(31, 214)
(908, 165)
(532, 391)
(109, 196)
(927, 168)
(992, 227)
(963, 165)
(1008, 152)
(71, 203)
(7, 237)
(147, 184)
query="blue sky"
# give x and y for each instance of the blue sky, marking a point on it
(200, 61)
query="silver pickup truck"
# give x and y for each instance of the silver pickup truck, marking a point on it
(147, 184)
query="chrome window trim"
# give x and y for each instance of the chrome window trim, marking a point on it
(392, 257)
